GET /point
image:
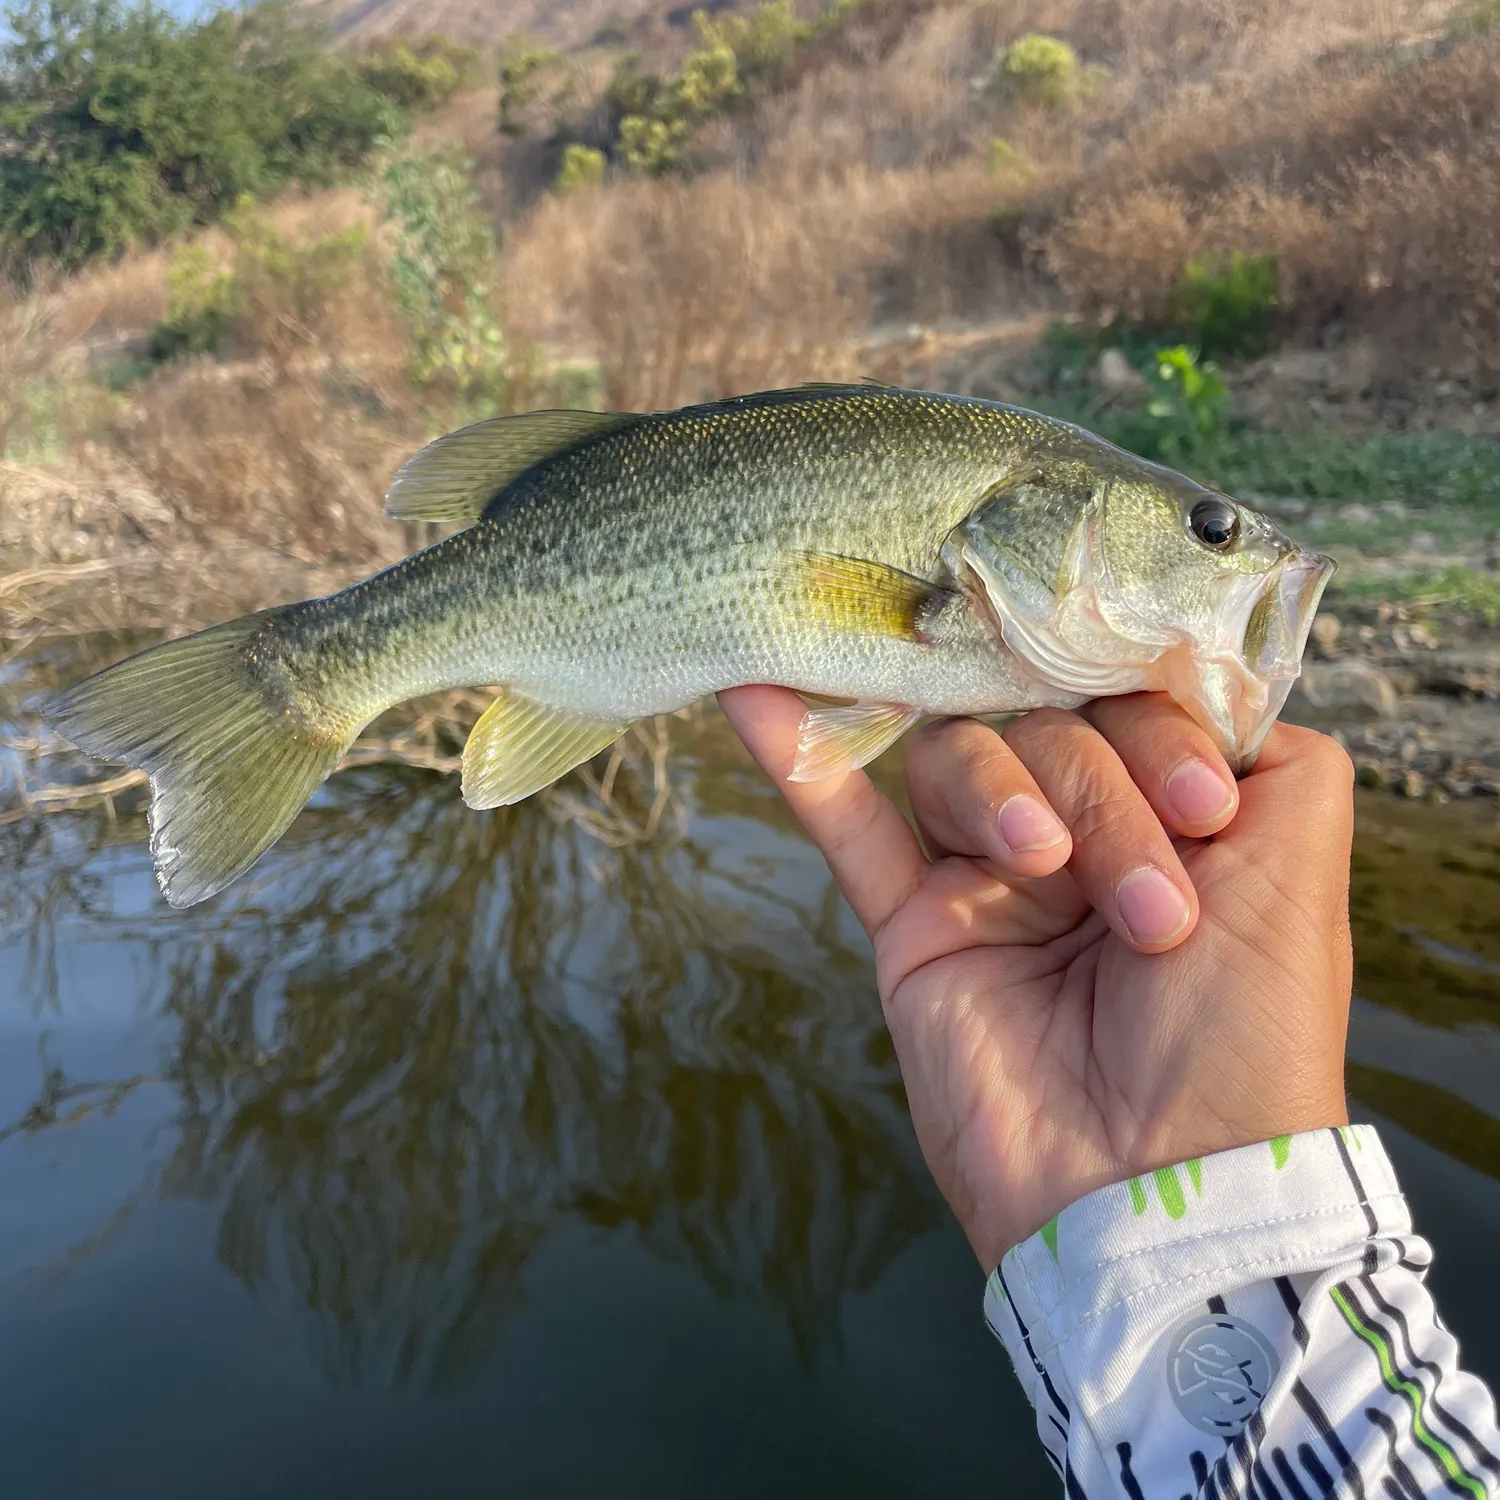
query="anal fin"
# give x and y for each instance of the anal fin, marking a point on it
(831, 741)
(518, 746)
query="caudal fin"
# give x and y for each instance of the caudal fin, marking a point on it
(230, 767)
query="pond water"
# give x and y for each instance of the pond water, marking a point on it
(464, 1154)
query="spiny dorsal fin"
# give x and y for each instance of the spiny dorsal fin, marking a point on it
(859, 597)
(455, 477)
(520, 746)
(831, 741)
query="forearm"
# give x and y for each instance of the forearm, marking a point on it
(1255, 1322)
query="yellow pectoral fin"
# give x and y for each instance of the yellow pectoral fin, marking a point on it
(831, 741)
(858, 597)
(520, 746)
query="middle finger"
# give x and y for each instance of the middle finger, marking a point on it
(1123, 860)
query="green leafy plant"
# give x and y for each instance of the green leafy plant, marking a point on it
(1227, 305)
(1192, 402)
(582, 167)
(443, 267)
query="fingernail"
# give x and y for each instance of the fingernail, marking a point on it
(1026, 825)
(1151, 906)
(1198, 793)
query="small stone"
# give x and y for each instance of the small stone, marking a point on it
(1372, 775)
(1409, 751)
(1117, 377)
(1422, 541)
(1348, 684)
(1435, 795)
(1487, 788)
(1326, 630)
(1356, 514)
(1366, 634)
(1412, 784)
(1420, 635)
(1458, 786)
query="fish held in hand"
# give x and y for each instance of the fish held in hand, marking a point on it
(915, 553)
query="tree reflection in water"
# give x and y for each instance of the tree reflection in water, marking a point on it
(419, 1040)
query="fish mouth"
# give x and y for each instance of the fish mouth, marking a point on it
(1242, 683)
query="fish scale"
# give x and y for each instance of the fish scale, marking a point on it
(917, 553)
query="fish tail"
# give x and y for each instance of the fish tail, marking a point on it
(232, 755)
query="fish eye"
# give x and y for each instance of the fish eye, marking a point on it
(1216, 523)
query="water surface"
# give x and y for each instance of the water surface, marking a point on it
(464, 1154)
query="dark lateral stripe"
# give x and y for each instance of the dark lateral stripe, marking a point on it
(1216, 1305)
(1127, 1478)
(1200, 1470)
(1288, 1476)
(1386, 1316)
(1399, 1470)
(1359, 1187)
(1348, 1469)
(1074, 1490)
(1040, 1368)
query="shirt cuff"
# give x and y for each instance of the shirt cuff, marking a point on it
(1090, 1293)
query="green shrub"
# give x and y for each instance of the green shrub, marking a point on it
(203, 303)
(1227, 304)
(444, 266)
(650, 145)
(708, 81)
(278, 286)
(123, 124)
(1039, 69)
(1003, 157)
(418, 75)
(582, 167)
(521, 67)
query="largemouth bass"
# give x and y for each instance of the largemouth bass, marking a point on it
(916, 553)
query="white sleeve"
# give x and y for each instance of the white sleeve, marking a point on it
(1253, 1323)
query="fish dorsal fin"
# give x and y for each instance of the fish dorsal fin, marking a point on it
(455, 477)
(519, 746)
(831, 741)
(858, 597)
(867, 382)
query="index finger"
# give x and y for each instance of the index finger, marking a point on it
(869, 846)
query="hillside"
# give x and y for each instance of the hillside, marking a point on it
(487, 23)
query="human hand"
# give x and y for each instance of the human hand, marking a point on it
(1142, 964)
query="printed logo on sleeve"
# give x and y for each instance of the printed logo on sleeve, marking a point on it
(1219, 1369)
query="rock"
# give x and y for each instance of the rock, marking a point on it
(1421, 636)
(1372, 775)
(1458, 786)
(1347, 685)
(1118, 378)
(1356, 514)
(1412, 784)
(1422, 541)
(1326, 630)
